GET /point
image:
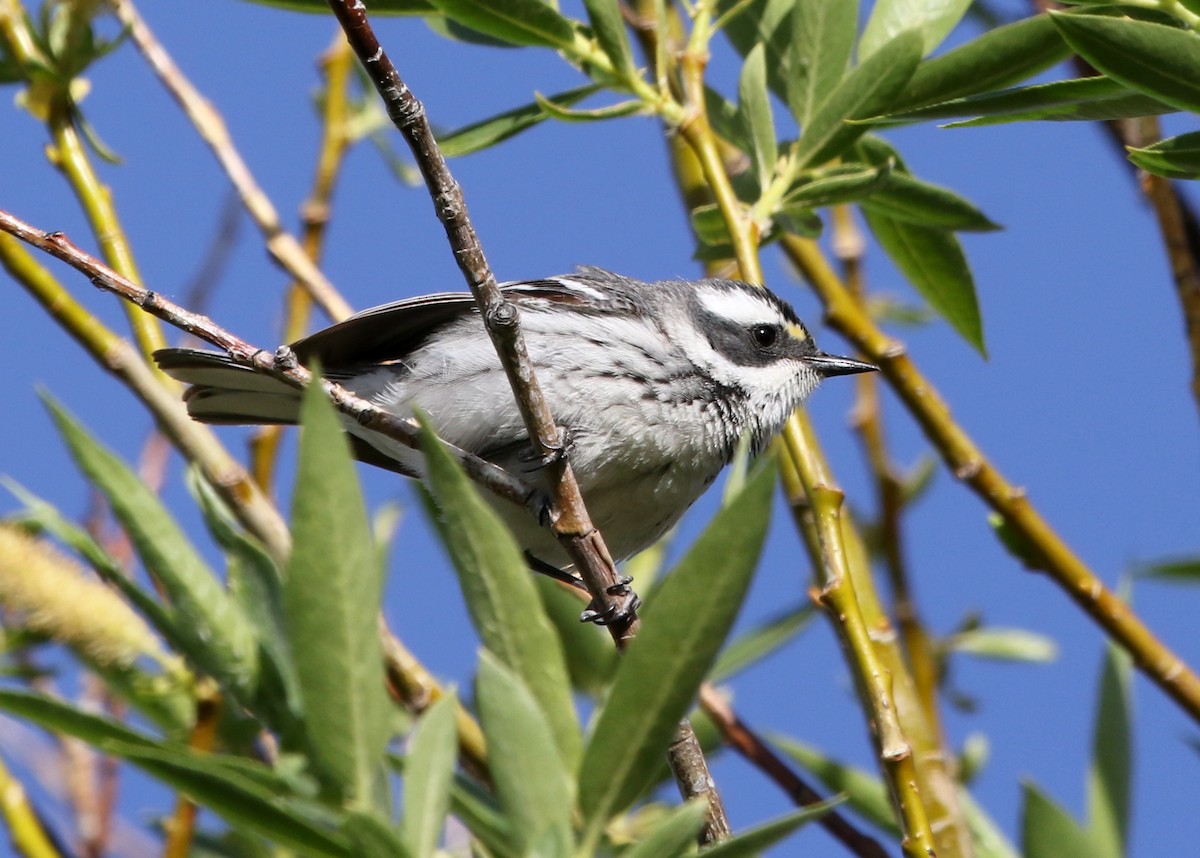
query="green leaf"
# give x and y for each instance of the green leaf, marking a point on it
(1089, 98)
(499, 591)
(683, 629)
(674, 833)
(934, 19)
(502, 126)
(864, 791)
(212, 630)
(1004, 644)
(709, 225)
(519, 22)
(590, 655)
(370, 835)
(863, 93)
(767, 23)
(841, 183)
(999, 58)
(478, 811)
(761, 641)
(255, 583)
(933, 262)
(755, 840)
(754, 110)
(220, 783)
(1048, 831)
(331, 598)
(1111, 765)
(905, 198)
(609, 27)
(241, 802)
(988, 840)
(818, 55)
(1173, 158)
(428, 774)
(1182, 570)
(528, 769)
(1156, 60)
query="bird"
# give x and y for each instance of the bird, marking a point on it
(654, 383)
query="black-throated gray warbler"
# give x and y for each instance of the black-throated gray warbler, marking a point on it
(654, 382)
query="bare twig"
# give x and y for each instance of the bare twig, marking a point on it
(211, 127)
(747, 743)
(281, 364)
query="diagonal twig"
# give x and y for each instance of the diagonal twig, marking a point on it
(569, 518)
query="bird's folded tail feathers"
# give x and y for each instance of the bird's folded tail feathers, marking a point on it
(222, 391)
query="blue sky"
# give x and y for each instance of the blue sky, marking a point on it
(1084, 399)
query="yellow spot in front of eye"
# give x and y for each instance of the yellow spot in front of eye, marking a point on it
(797, 332)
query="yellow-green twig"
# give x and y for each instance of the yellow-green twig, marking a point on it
(1049, 553)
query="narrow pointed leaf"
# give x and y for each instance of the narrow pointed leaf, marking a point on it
(1181, 570)
(842, 183)
(590, 655)
(378, 7)
(609, 27)
(823, 34)
(934, 263)
(999, 58)
(1004, 644)
(213, 631)
(864, 92)
(1173, 158)
(502, 126)
(754, 840)
(1153, 59)
(529, 772)
(905, 198)
(428, 775)
(240, 802)
(986, 835)
(754, 109)
(760, 642)
(674, 834)
(1065, 100)
(1048, 831)
(478, 811)
(370, 835)
(331, 601)
(255, 583)
(688, 620)
(500, 593)
(934, 19)
(519, 22)
(1112, 758)
(767, 23)
(864, 791)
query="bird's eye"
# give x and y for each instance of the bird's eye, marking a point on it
(765, 335)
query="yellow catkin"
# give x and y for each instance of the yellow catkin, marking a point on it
(56, 596)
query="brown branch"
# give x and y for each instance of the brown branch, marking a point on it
(569, 518)
(281, 365)
(746, 742)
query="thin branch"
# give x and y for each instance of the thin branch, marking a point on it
(569, 518)
(212, 129)
(746, 742)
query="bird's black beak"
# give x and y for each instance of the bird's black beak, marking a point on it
(827, 365)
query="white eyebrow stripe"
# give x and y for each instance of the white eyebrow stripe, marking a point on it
(739, 307)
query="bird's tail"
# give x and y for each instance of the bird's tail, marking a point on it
(221, 391)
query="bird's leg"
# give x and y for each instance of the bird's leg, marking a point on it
(592, 613)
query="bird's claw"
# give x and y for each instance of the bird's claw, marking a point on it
(620, 611)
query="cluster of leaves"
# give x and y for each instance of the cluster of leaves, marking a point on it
(296, 657)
